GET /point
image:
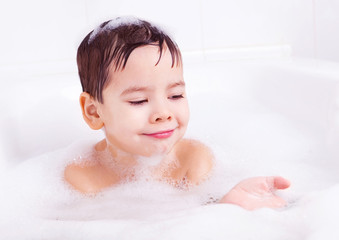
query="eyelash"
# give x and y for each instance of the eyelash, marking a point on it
(138, 102)
(175, 97)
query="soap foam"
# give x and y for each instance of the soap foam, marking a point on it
(113, 24)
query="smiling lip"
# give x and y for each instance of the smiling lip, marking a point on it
(160, 135)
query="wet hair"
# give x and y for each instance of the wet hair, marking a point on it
(107, 48)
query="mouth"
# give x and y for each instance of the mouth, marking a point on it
(161, 134)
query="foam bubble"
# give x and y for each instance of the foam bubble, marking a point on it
(113, 24)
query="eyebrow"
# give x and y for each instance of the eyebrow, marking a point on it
(133, 89)
(143, 89)
(179, 83)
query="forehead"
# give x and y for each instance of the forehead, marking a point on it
(143, 67)
(149, 56)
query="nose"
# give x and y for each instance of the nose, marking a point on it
(161, 115)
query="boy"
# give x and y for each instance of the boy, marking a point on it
(133, 88)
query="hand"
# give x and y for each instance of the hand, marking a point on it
(257, 192)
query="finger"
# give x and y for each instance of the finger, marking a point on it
(276, 182)
(281, 183)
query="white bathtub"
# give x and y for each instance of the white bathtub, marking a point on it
(267, 117)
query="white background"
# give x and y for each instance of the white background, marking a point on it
(48, 32)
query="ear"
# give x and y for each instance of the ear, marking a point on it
(90, 111)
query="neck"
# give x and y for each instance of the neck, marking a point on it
(110, 156)
(128, 164)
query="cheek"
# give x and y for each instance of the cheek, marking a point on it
(184, 113)
(130, 118)
(135, 116)
(187, 113)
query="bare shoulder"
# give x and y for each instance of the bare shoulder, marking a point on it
(89, 178)
(76, 176)
(197, 158)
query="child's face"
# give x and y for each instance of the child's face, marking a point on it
(145, 109)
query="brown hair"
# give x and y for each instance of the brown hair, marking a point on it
(111, 44)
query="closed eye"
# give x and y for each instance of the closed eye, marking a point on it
(138, 102)
(174, 97)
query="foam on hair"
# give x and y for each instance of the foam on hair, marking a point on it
(113, 24)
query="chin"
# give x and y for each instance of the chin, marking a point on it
(159, 150)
